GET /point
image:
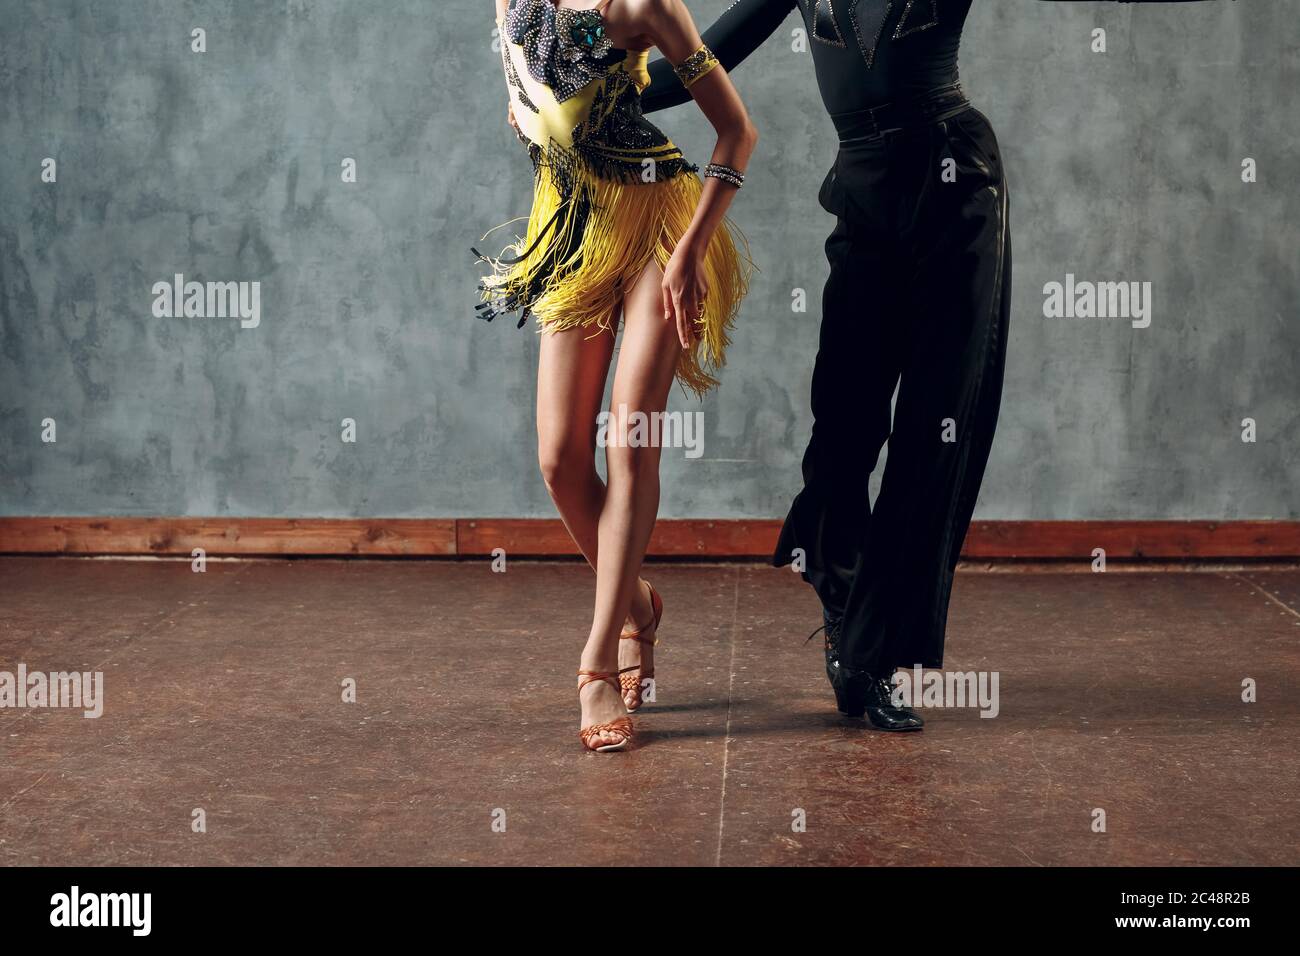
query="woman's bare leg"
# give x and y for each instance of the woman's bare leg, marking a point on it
(647, 360)
(571, 371)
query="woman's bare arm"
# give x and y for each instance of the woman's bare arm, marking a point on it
(669, 26)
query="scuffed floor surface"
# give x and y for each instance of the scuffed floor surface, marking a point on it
(223, 693)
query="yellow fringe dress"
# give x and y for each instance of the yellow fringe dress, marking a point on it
(611, 192)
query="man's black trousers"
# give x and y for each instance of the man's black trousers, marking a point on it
(918, 299)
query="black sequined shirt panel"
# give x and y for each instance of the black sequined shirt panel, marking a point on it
(871, 52)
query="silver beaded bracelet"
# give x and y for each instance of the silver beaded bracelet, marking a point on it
(726, 174)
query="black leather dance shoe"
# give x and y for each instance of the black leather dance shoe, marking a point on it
(868, 696)
(857, 693)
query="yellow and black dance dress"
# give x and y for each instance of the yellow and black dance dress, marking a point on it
(611, 192)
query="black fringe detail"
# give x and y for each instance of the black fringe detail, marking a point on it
(503, 304)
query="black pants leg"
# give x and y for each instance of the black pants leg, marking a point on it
(857, 368)
(918, 298)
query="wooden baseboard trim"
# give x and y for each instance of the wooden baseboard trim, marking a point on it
(378, 537)
(673, 538)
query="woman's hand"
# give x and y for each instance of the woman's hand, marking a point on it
(514, 125)
(684, 290)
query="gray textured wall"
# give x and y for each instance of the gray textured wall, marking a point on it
(225, 166)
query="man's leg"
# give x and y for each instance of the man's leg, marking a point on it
(856, 371)
(946, 412)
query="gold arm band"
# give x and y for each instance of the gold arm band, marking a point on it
(695, 66)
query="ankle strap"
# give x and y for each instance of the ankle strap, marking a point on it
(656, 611)
(591, 677)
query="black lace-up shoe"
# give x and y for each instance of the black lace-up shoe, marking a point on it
(860, 694)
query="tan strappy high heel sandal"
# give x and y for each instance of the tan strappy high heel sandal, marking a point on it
(631, 678)
(621, 726)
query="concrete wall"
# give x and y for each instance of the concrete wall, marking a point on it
(225, 166)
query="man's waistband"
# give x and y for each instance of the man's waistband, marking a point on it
(863, 126)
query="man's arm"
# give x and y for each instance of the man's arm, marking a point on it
(740, 30)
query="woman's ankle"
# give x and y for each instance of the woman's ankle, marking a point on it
(601, 661)
(642, 612)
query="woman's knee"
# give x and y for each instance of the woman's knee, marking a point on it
(632, 461)
(565, 464)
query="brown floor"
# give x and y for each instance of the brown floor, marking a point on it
(1119, 691)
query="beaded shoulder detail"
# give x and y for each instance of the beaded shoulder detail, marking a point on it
(563, 48)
